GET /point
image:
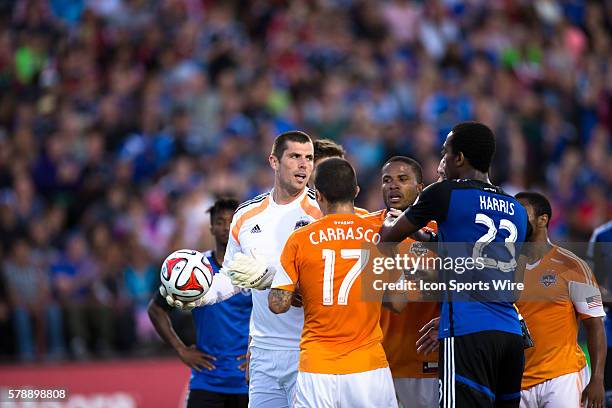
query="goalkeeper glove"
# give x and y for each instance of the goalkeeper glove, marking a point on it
(186, 306)
(249, 271)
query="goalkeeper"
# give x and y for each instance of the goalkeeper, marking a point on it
(260, 227)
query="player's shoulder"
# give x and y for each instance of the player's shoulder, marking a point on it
(311, 194)
(472, 184)
(375, 216)
(603, 233)
(311, 197)
(569, 262)
(256, 202)
(361, 211)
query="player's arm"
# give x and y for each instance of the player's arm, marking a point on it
(158, 311)
(395, 300)
(586, 298)
(597, 347)
(285, 279)
(432, 204)
(246, 270)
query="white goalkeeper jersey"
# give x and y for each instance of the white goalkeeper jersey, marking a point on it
(262, 226)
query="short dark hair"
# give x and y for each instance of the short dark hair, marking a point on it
(280, 143)
(413, 164)
(324, 148)
(539, 203)
(222, 203)
(477, 143)
(335, 179)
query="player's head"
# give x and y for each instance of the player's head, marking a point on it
(336, 183)
(469, 146)
(402, 182)
(326, 148)
(221, 214)
(539, 212)
(292, 160)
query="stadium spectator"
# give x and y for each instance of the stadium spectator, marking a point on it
(98, 99)
(75, 275)
(141, 280)
(37, 319)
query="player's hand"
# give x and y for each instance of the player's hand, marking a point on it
(428, 342)
(593, 395)
(249, 271)
(393, 213)
(186, 306)
(196, 359)
(244, 366)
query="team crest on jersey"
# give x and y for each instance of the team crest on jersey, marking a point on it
(300, 224)
(418, 249)
(548, 280)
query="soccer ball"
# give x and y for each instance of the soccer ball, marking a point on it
(186, 275)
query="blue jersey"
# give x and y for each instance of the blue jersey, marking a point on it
(477, 221)
(600, 255)
(222, 330)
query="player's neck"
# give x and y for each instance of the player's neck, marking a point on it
(347, 208)
(473, 174)
(539, 247)
(219, 253)
(281, 196)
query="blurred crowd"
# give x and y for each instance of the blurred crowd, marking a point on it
(120, 120)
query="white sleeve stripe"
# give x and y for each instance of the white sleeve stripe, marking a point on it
(583, 266)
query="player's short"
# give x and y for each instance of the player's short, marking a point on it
(203, 398)
(562, 391)
(272, 376)
(481, 369)
(416, 392)
(366, 389)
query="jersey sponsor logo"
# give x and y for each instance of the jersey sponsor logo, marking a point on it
(300, 224)
(418, 249)
(548, 280)
(255, 229)
(430, 367)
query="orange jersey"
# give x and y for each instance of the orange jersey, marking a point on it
(559, 290)
(325, 260)
(401, 330)
(361, 211)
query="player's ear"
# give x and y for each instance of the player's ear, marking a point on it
(274, 163)
(542, 221)
(357, 190)
(419, 188)
(459, 159)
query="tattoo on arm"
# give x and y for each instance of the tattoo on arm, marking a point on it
(279, 300)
